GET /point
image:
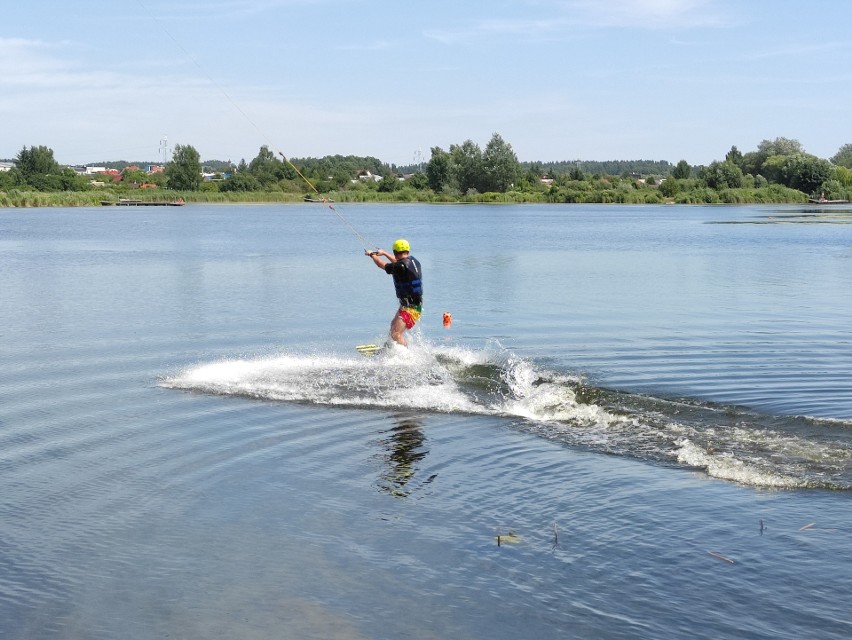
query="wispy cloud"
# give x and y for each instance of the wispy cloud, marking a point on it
(375, 45)
(48, 96)
(218, 9)
(21, 59)
(793, 50)
(34, 64)
(496, 27)
(549, 18)
(646, 14)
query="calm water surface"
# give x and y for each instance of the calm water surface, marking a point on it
(650, 407)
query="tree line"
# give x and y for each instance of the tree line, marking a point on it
(779, 170)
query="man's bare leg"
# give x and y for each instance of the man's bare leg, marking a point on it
(397, 329)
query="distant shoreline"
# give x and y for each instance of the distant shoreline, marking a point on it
(98, 198)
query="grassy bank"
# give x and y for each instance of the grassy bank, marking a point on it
(17, 198)
(772, 194)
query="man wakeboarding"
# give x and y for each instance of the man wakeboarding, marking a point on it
(408, 282)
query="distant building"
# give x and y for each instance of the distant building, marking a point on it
(6, 166)
(366, 176)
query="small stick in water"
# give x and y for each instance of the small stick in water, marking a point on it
(718, 555)
(808, 526)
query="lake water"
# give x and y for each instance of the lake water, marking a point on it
(639, 424)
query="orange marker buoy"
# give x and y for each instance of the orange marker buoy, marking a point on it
(448, 319)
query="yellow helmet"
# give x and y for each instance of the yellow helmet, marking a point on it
(401, 245)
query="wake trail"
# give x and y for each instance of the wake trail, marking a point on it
(493, 381)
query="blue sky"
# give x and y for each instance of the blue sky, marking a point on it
(557, 79)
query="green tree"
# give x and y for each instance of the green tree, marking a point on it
(70, 180)
(240, 182)
(832, 190)
(682, 170)
(418, 181)
(780, 147)
(576, 173)
(439, 171)
(735, 156)
(773, 169)
(723, 175)
(7, 180)
(669, 187)
(467, 159)
(753, 162)
(37, 168)
(136, 176)
(500, 165)
(807, 173)
(160, 179)
(535, 170)
(184, 171)
(389, 182)
(36, 160)
(843, 157)
(269, 170)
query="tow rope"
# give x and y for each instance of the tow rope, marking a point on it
(367, 244)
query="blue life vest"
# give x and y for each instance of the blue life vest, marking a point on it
(407, 280)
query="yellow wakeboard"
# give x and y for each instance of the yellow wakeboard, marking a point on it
(369, 349)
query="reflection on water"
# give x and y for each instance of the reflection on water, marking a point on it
(813, 214)
(404, 447)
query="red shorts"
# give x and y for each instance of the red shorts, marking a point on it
(409, 315)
